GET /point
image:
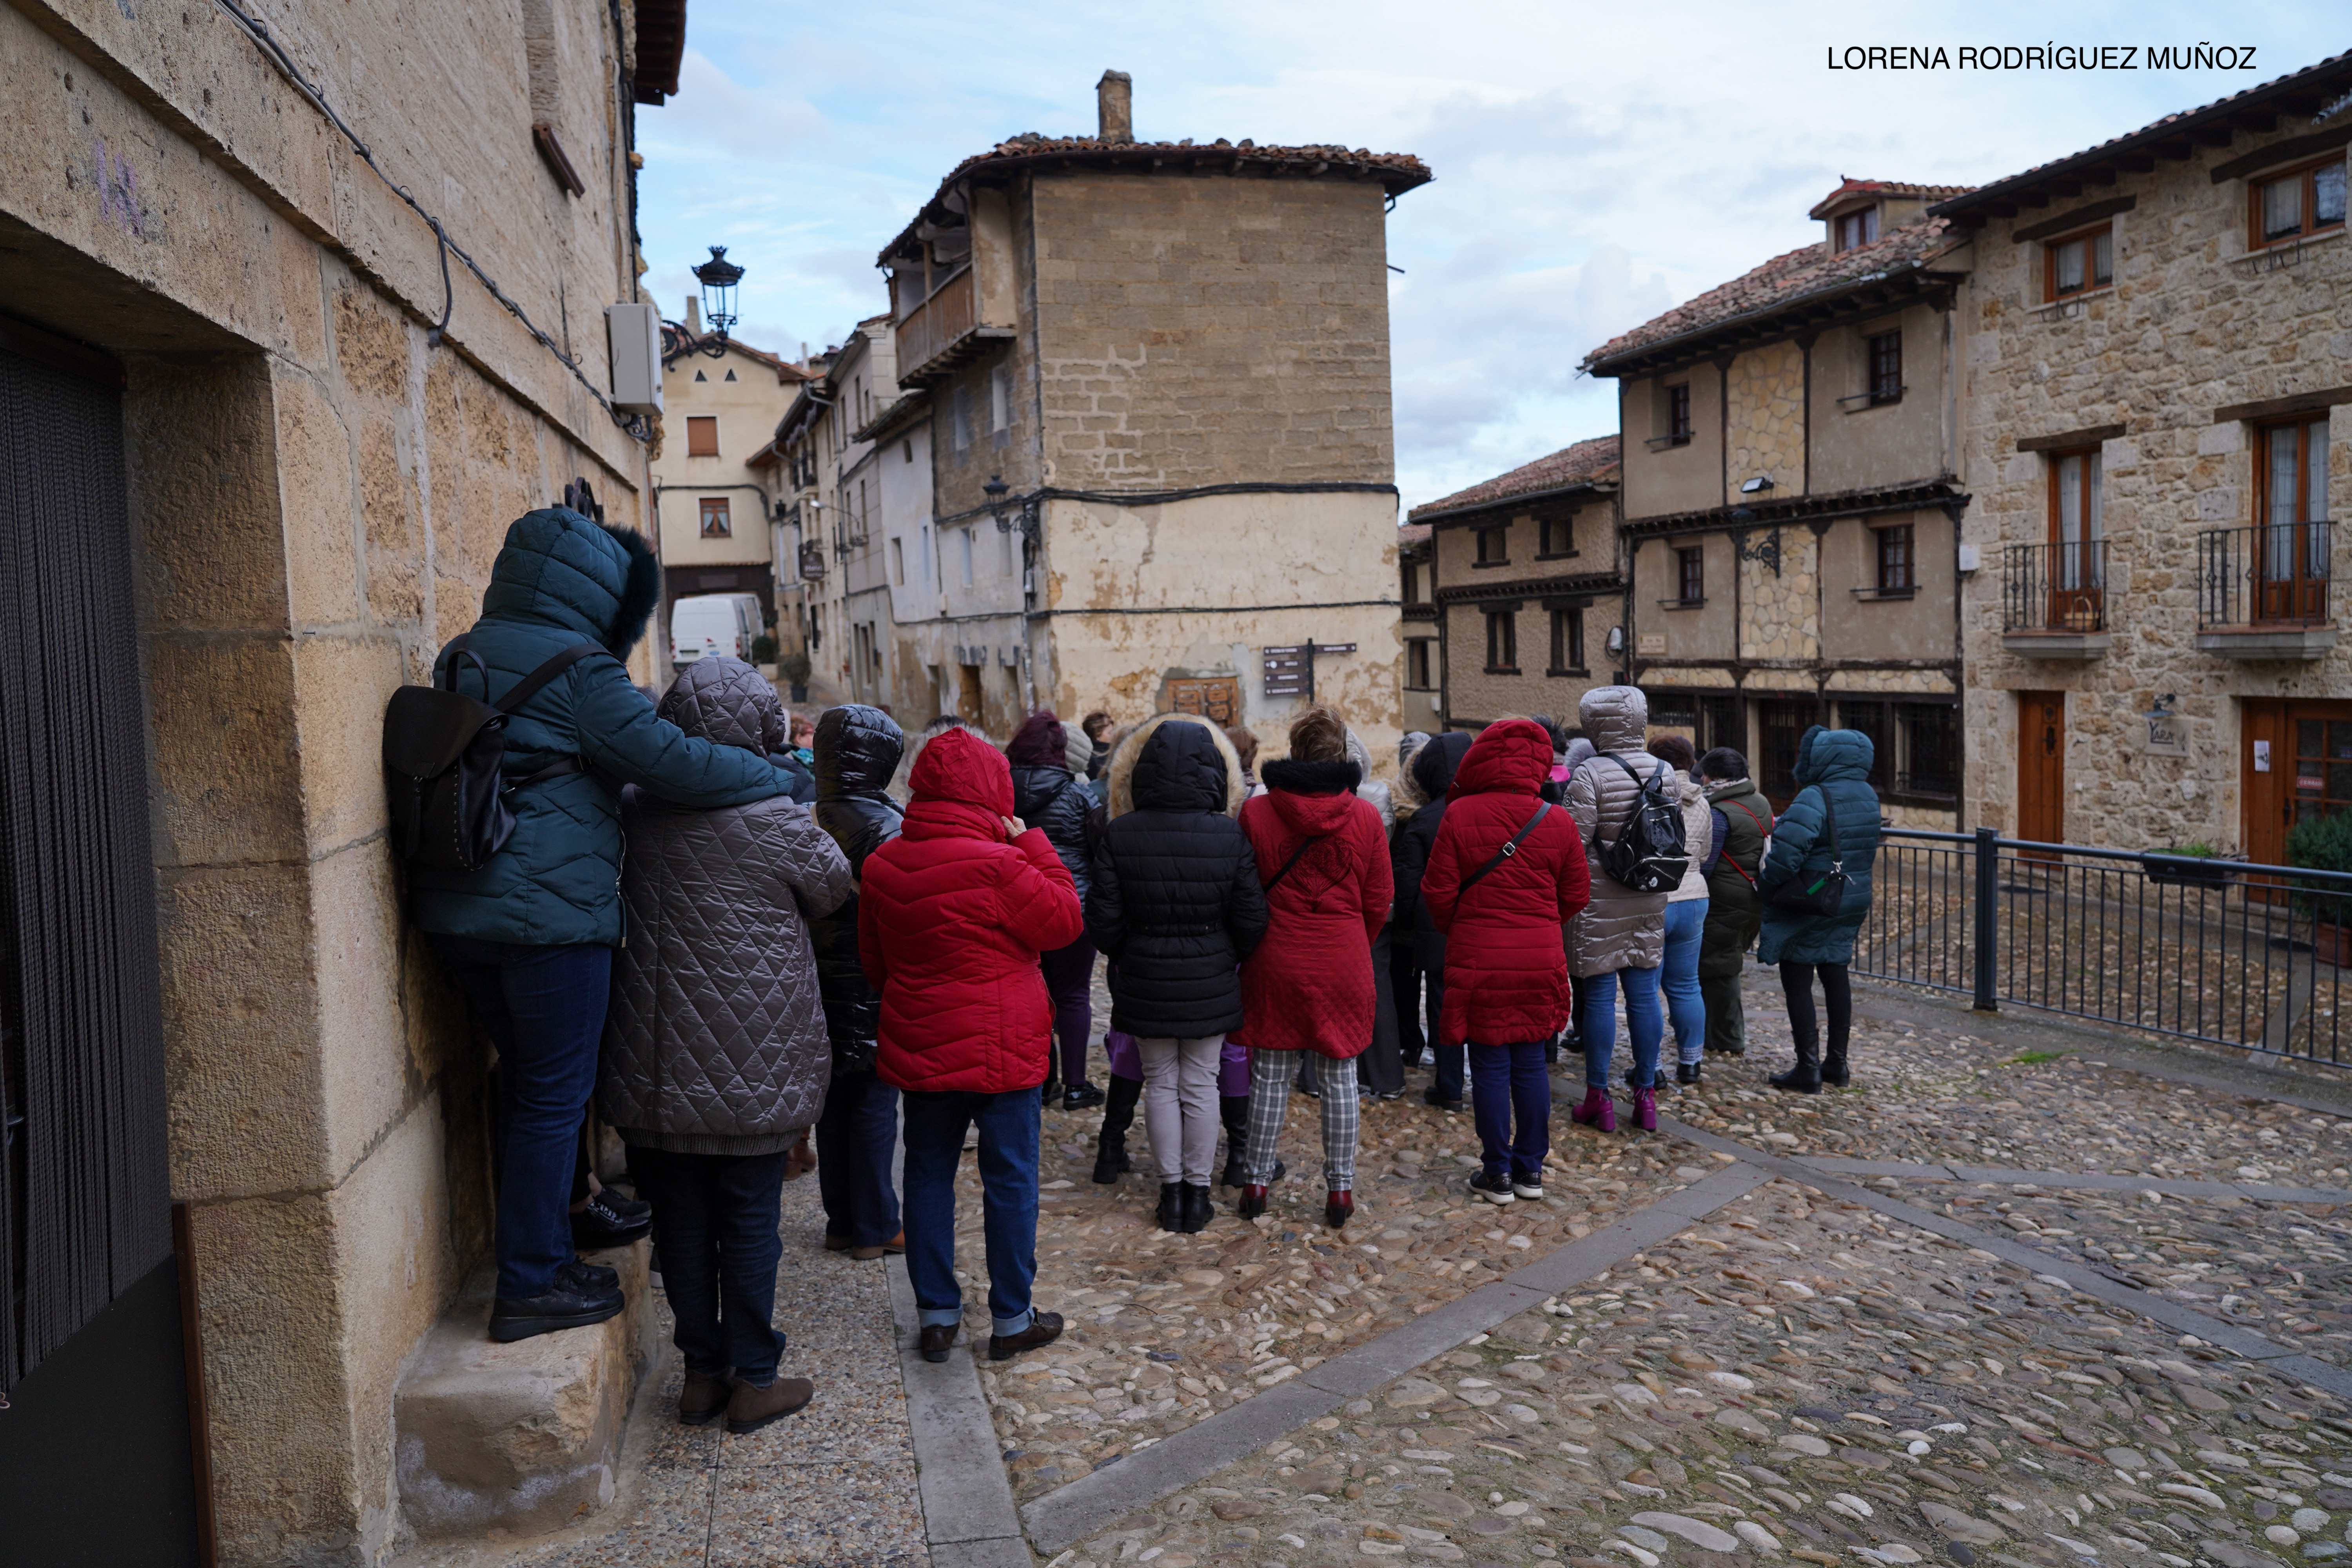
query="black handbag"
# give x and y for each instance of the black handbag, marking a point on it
(1822, 896)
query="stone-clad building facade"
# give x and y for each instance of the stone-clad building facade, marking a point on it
(1160, 433)
(2157, 341)
(1790, 499)
(306, 454)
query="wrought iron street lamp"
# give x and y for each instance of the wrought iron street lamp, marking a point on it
(718, 277)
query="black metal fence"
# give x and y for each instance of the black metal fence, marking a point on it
(2271, 575)
(2258, 957)
(2054, 587)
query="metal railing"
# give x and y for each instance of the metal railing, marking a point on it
(2274, 575)
(2256, 957)
(2054, 587)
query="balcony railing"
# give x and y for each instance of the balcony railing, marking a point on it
(2054, 588)
(2273, 574)
(939, 332)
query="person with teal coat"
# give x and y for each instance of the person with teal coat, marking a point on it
(529, 937)
(1833, 780)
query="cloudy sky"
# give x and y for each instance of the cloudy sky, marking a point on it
(1595, 163)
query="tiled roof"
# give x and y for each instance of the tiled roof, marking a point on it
(1784, 281)
(1396, 172)
(1854, 187)
(2314, 82)
(1411, 533)
(1592, 462)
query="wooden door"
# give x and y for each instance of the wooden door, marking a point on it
(2297, 767)
(2042, 766)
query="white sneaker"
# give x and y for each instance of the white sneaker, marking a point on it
(1498, 1192)
(1532, 1191)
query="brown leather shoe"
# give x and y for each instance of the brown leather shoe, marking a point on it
(836, 1243)
(896, 1246)
(1044, 1329)
(936, 1340)
(752, 1409)
(702, 1398)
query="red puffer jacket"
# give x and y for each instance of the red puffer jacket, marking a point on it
(949, 925)
(1308, 985)
(1506, 969)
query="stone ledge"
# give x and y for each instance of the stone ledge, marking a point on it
(2274, 643)
(2058, 645)
(523, 1438)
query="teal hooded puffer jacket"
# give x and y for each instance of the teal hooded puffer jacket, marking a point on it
(1836, 764)
(562, 579)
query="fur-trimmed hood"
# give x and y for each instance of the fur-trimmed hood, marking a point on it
(1121, 769)
(559, 567)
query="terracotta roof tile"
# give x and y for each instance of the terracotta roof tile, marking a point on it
(1412, 533)
(1592, 462)
(1854, 187)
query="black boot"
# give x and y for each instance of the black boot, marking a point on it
(1172, 1207)
(1118, 1115)
(1805, 1078)
(1686, 1072)
(1198, 1210)
(1833, 1068)
(1234, 1110)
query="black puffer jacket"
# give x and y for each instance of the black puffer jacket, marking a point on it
(1059, 802)
(1416, 835)
(1175, 902)
(857, 750)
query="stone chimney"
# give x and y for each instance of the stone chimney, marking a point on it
(1115, 101)
(694, 315)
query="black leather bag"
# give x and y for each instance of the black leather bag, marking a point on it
(1824, 895)
(444, 764)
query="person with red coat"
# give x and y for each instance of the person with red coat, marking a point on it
(1324, 858)
(1507, 872)
(952, 915)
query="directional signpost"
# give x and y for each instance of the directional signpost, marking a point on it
(1290, 671)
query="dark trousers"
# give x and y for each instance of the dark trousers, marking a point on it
(715, 1223)
(1070, 980)
(1449, 1076)
(1797, 986)
(853, 1140)
(1380, 1069)
(1726, 1015)
(1405, 996)
(1514, 1085)
(935, 1124)
(544, 1008)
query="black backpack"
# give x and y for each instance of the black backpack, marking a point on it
(444, 764)
(1649, 854)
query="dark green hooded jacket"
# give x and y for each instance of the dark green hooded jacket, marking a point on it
(562, 579)
(1835, 763)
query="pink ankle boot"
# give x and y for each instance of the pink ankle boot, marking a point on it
(1645, 1109)
(1598, 1110)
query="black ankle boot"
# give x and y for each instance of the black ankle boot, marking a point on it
(1805, 1078)
(1233, 1109)
(1834, 1071)
(1118, 1115)
(1686, 1072)
(1172, 1207)
(1198, 1210)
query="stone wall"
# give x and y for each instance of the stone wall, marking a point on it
(2192, 325)
(1780, 612)
(1766, 391)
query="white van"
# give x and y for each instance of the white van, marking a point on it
(722, 624)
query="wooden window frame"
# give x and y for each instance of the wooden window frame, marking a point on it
(1690, 571)
(2076, 589)
(1896, 544)
(1420, 664)
(1567, 643)
(1865, 222)
(697, 427)
(1564, 526)
(2305, 175)
(2291, 598)
(2088, 239)
(1882, 367)
(1909, 718)
(705, 507)
(1411, 573)
(1679, 414)
(1501, 533)
(1502, 642)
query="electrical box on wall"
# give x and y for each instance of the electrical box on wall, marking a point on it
(634, 335)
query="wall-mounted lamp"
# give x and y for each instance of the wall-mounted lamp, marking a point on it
(718, 277)
(1615, 642)
(1756, 485)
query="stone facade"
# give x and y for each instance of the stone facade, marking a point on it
(318, 484)
(2170, 373)
(1764, 418)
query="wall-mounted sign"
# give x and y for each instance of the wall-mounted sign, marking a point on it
(1653, 643)
(2261, 756)
(2168, 735)
(1290, 671)
(1217, 699)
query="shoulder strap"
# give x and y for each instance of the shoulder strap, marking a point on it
(530, 685)
(1837, 855)
(1543, 809)
(1304, 847)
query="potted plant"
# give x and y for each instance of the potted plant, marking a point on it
(2324, 843)
(763, 654)
(2193, 865)
(795, 668)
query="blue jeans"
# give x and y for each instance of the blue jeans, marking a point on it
(715, 1222)
(854, 1137)
(935, 1124)
(1685, 925)
(1513, 1081)
(1596, 1012)
(544, 1008)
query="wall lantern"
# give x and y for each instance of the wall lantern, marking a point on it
(1616, 643)
(718, 277)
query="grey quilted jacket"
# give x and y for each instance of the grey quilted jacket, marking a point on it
(1620, 928)
(716, 1040)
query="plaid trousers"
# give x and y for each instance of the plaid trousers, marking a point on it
(1270, 1076)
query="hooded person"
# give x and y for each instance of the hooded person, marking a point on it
(1049, 795)
(1621, 937)
(1433, 770)
(1686, 912)
(1507, 871)
(716, 1058)
(952, 918)
(1742, 823)
(1175, 905)
(1308, 986)
(855, 755)
(1831, 826)
(528, 936)
(1380, 1071)
(1404, 966)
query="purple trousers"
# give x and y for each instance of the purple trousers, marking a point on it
(1070, 980)
(1232, 1064)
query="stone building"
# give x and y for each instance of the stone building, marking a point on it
(2156, 338)
(260, 458)
(716, 479)
(1157, 397)
(1791, 500)
(1424, 658)
(1524, 585)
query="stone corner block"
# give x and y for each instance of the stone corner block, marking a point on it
(522, 1438)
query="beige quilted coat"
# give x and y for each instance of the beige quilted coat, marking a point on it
(1620, 928)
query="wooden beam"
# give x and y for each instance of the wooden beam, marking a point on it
(2284, 152)
(2074, 218)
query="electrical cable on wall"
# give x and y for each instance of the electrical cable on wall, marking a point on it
(637, 425)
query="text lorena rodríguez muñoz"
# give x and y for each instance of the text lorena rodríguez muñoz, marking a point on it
(2041, 56)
